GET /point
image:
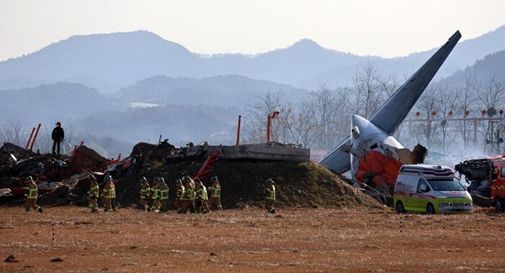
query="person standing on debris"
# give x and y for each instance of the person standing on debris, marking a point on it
(163, 194)
(270, 196)
(179, 194)
(145, 193)
(93, 194)
(202, 198)
(109, 194)
(57, 136)
(215, 194)
(31, 193)
(155, 194)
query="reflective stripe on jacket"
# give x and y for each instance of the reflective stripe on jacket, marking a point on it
(163, 194)
(155, 193)
(188, 194)
(94, 192)
(145, 192)
(110, 192)
(31, 192)
(215, 192)
(201, 194)
(180, 193)
(270, 193)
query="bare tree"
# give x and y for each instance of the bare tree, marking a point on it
(256, 118)
(428, 104)
(11, 131)
(464, 99)
(371, 90)
(298, 125)
(446, 104)
(331, 115)
(490, 95)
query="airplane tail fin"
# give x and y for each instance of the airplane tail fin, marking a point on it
(392, 113)
(395, 109)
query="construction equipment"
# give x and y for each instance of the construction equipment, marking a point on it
(486, 178)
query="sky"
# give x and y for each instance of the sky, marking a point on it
(385, 28)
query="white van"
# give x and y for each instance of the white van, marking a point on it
(431, 189)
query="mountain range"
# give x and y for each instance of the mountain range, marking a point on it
(109, 62)
(490, 68)
(222, 90)
(127, 87)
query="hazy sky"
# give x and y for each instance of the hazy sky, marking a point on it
(365, 27)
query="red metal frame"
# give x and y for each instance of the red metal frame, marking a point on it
(30, 139)
(35, 136)
(207, 165)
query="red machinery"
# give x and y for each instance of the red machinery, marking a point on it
(487, 180)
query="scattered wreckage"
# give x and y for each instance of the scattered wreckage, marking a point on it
(486, 179)
(64, 179)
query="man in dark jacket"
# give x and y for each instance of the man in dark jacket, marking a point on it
(58, 135)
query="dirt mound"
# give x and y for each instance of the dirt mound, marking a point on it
(298, 184)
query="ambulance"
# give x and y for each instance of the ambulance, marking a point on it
(430, 189)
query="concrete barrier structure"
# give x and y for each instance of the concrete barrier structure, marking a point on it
(272, 151)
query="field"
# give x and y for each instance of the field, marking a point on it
(250, 240)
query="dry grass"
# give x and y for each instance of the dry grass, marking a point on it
(250, 240)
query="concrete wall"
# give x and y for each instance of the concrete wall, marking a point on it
(263, 152)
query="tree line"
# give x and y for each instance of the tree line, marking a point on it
(446, 118)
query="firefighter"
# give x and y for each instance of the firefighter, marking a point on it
(155, 195)
(31, 193)
(163, 194)
(93, 194)
(145, 193)
(270, 196)
(202, 198)
(198, 200)
(215, 194)
(192, 185)
(109, 194)
(187, 196)
(179, 194)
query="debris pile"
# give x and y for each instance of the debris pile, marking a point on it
(84, 158)
(64, 180)
(57, 176)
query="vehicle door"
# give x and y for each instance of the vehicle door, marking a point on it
(498, 185)
(410, 199)
(422, 199)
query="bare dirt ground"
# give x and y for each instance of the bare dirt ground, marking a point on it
(294, 240)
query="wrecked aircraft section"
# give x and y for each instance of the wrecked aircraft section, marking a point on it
(371, 153)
